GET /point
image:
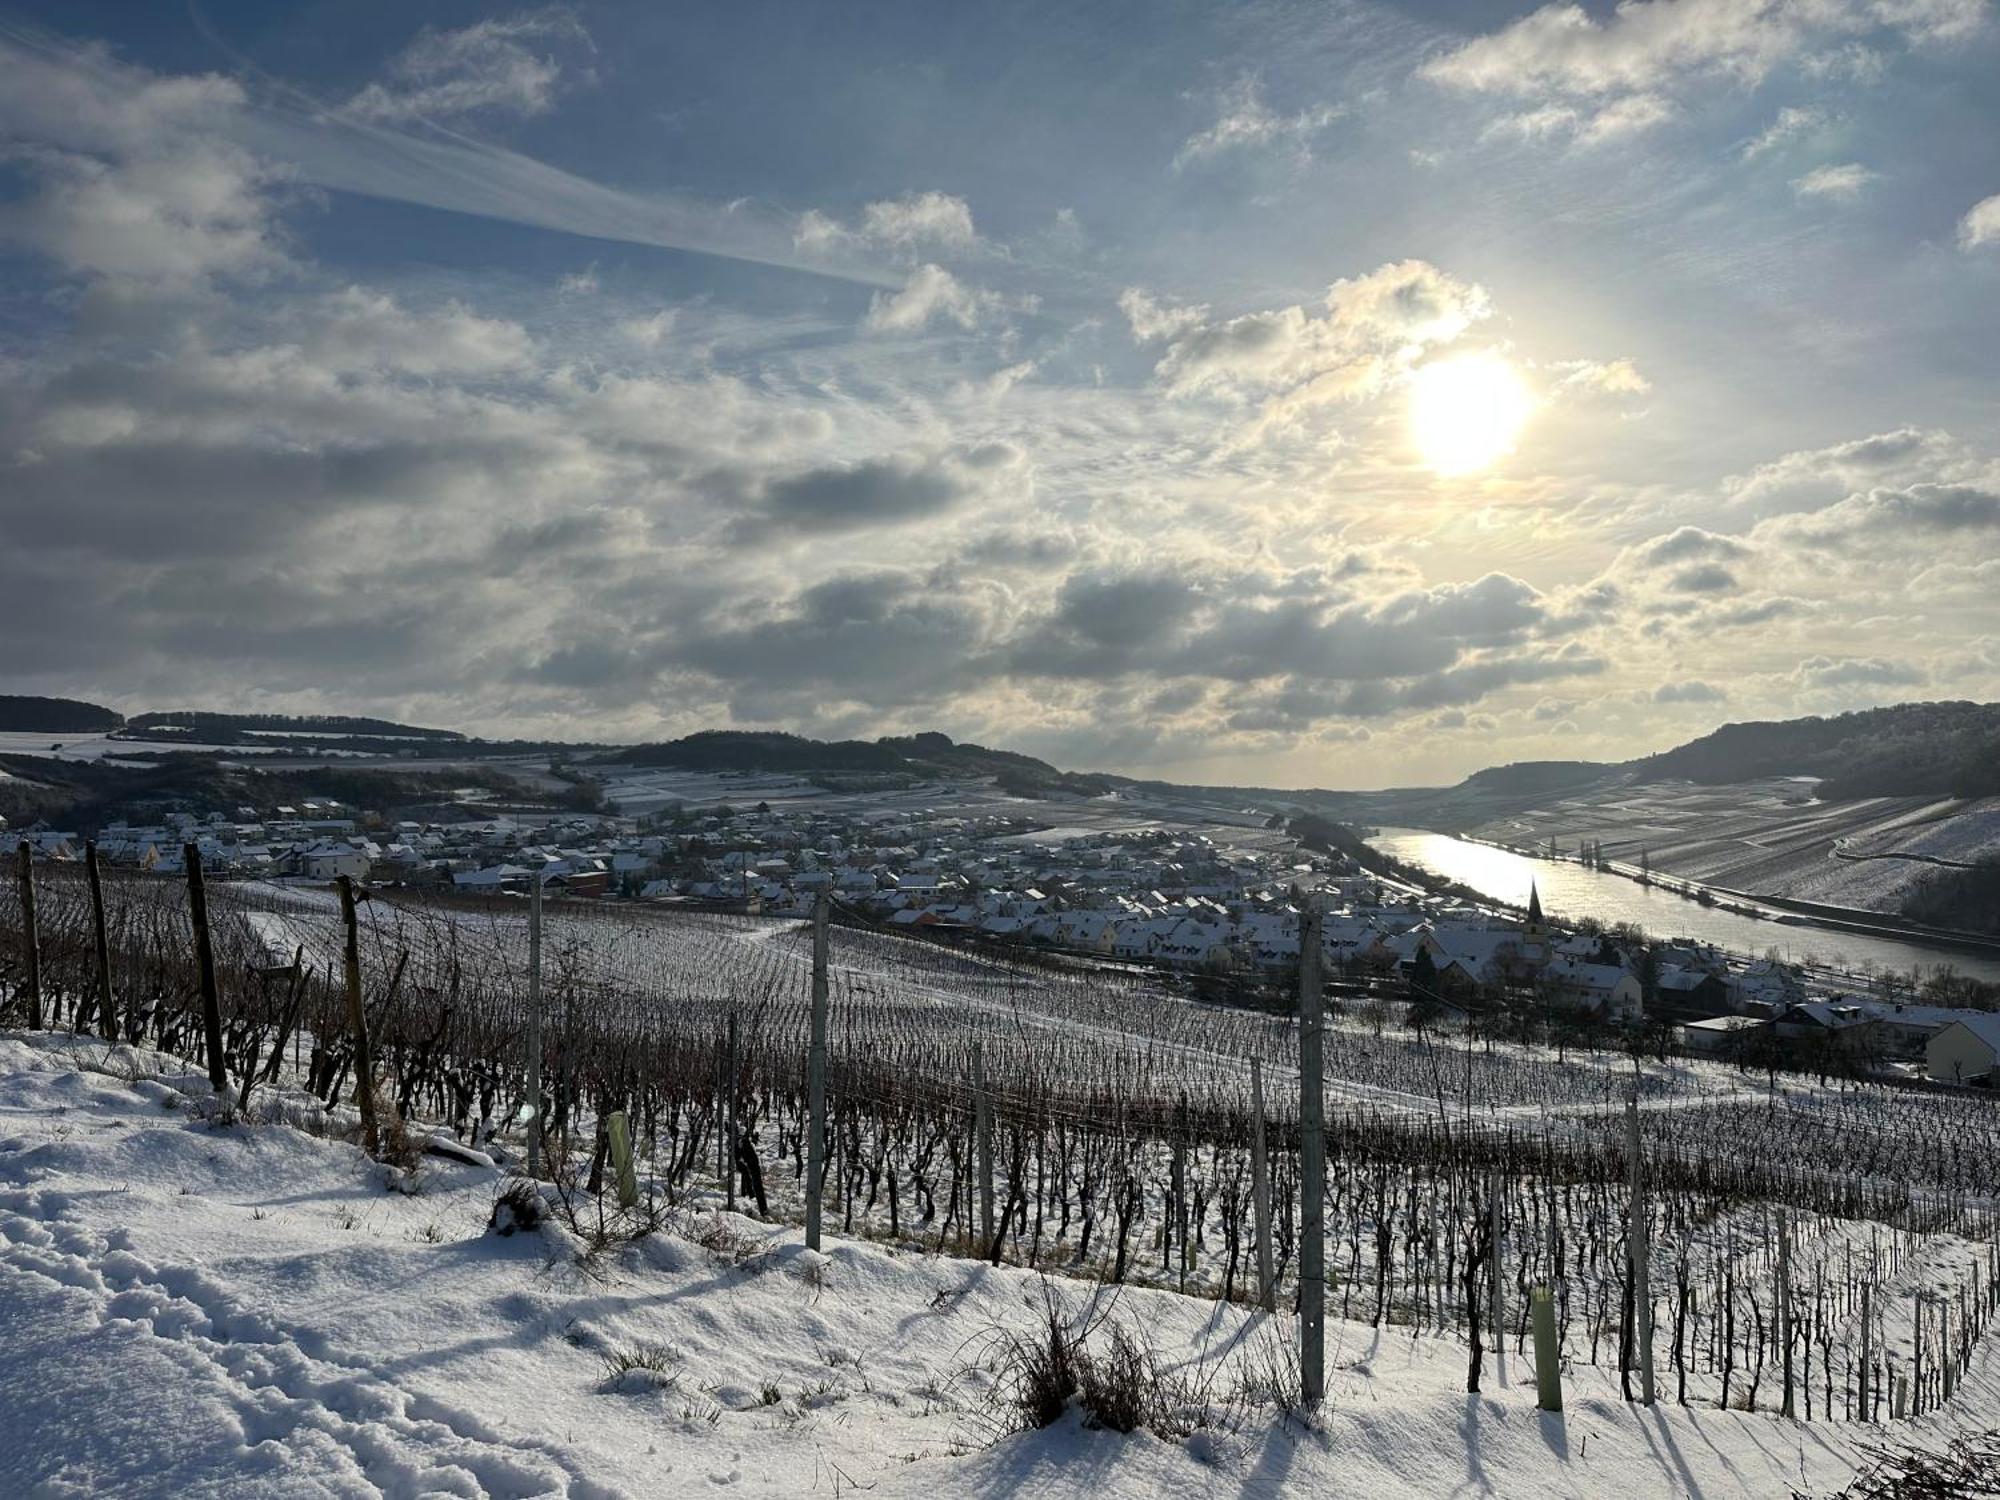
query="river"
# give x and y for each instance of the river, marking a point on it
(1573, 890)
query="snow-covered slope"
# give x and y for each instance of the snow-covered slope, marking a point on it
(252, 1309)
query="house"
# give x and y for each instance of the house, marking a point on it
(1606, 990)
(1720, 1035)
(1965, 1051)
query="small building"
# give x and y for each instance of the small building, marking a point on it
(1965, 1051)
(1721, 1036)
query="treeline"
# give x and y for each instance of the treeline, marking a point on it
(1968, 900)
(22, 714)
(928, 755)
(205, 727)
(86, 796)
(1910, 750)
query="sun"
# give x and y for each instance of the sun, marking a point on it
(1466, 412)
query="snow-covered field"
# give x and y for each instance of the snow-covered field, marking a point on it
(244, 1310)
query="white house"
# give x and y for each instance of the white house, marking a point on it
(1966, 1050)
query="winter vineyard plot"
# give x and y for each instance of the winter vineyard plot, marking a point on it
(1122, 1122)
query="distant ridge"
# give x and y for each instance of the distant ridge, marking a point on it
(20, 714)
(927, 756)
(1911, 750)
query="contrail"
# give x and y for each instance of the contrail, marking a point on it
(438, 168)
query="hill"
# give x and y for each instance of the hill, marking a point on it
(26, 715)
(1910, 750)
(923, 757)
(199, 726)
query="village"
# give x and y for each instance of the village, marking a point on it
(1214, 907)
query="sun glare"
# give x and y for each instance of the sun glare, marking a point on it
(1466, 412)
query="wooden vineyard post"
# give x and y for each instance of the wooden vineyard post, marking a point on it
(204, 959)
(1260, 1189)
(1312, 1163)
(30, 937)
(729, 1093)
(816, 1077)
(1493, 1307)
(1639, 1253)
(1866, 1414)
(535, 1024)
(1548, 1359)
(107, 1009)
(1916, 1408)
(357, 1018)
(620, 1133)
(1785, 1304)
(982, 1134)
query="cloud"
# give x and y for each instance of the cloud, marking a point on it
(1152, 318)
(928, 294)
(913, 223)
(884, 491)
(1689, 542)
(1689, 690)
(357, 329)
(192, 159)
(1245, 122)
(1623, 71)
(1981, 224)
(131, 174)
(1617, 377)
(1813, 477)
(1792, 123)
(488, 67)
(1650, 44)
(1837, 184)
(1372, 328)
(1825, 672)
(1918, 516)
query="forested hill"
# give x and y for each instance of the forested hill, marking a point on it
(921, 756)
(23, 715)
(1910, 750)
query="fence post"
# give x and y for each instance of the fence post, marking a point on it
(204, 959)
(1548, 1359)
(982, 1143)
(1639, 1253)
(535, 1024)
(1785, 1302)
(1312, 1162)
(357, 1018)
(29, 935)
(816, 1077)
(1917, 1361)
(729, 1171)
(107, 1009)
(1866, 1414)
(1260, 1190)
(1493, 1308)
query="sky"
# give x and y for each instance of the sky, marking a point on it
(1335, 394)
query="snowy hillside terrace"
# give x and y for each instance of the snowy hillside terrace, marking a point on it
(193, 1307)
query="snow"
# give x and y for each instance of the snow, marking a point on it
(199, 1309)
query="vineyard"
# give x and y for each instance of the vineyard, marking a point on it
(1088, 1122)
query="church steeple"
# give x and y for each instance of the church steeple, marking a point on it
(1534, 910)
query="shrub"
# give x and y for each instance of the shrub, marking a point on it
(519, 1206)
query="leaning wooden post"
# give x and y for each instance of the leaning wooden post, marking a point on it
(982, 1140)
(107, 1008)
(1917, 1357)
(535, 1024)
(1785, 1303)
(30, 936)
(1639, 1254)
(204, 959)
(816, 1077)
(357, 1018)
(1548, 1359)
(1312, 1163)
(1260, 1190)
